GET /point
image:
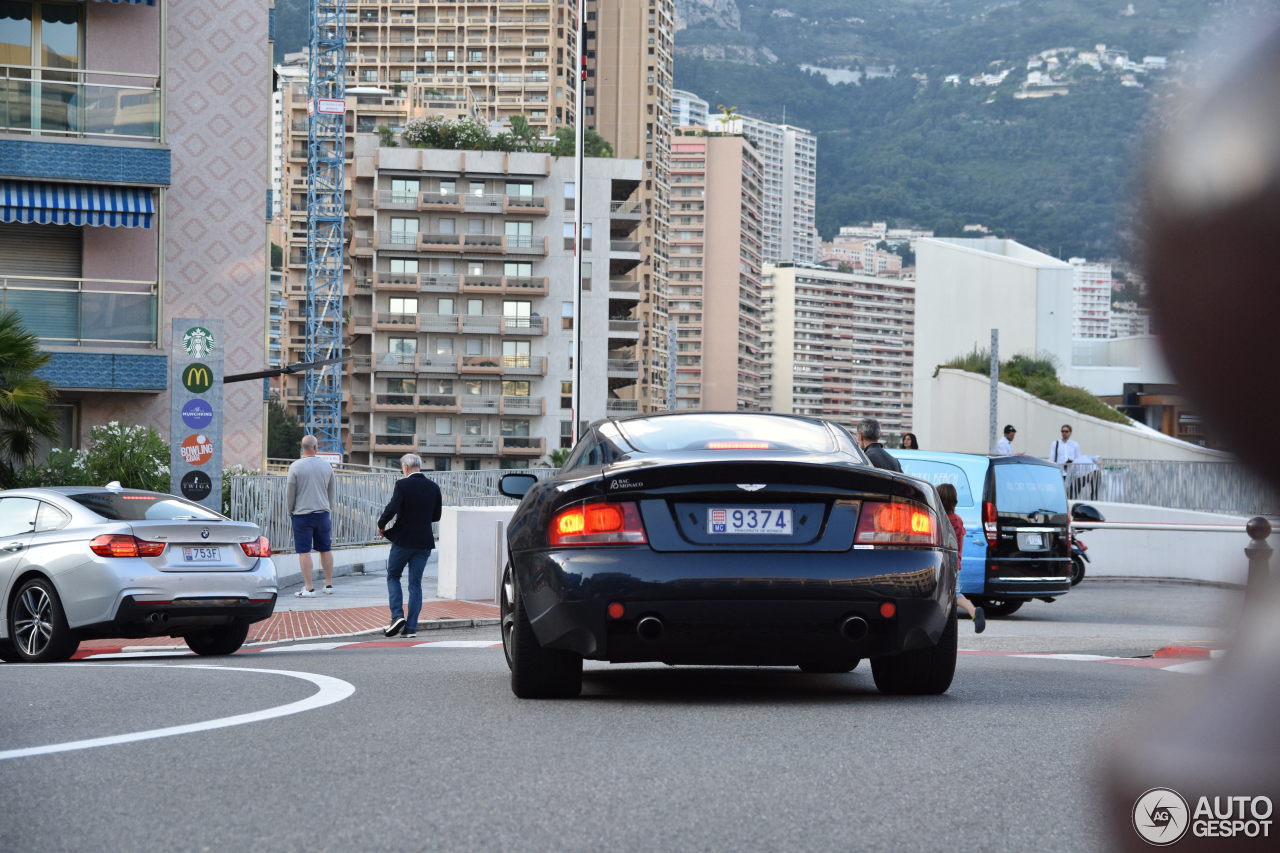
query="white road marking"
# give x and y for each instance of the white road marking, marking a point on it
(331, 690)
(1065, 656)
(306, 647)
(1195, 667)
(460, 644)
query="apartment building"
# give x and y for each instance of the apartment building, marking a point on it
(1090, 299)
(716, 246)
(630, 46)
(688, 110)
(496, 58)
(790, 172)
(838, 345)
(462, 306)
(133, 175)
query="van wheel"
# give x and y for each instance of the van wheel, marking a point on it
(999, 606)
(919, 672)
(1077, 570)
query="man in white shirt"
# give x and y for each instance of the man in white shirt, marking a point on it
(1004, 444)
(1065, 451)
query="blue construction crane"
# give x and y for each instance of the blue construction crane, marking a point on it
(326, 161)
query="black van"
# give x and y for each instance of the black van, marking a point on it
(1014, 510)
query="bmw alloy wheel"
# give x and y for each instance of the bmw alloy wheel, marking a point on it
(38, 626)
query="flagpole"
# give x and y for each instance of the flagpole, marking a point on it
(579, 201)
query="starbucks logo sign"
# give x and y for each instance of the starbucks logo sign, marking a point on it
(197, 342)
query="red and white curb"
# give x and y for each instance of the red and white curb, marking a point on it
(1186, 661)
(1189, 659)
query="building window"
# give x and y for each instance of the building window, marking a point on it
(474, 387)
(442, 463)
(403, 305)
(444, 426)
(401, 425)
(471, 426)
(515, 353)
(515, 427)
(444, 346)
(566, 315)
(404, 230)
(517, 269)
(404, 191)
(513, 464)
(400, 386)
(475, 307)
(447, 187)
(519, 234)
(566, 434)
(475, 346)
(444, 305)
(566, 400)
(515, 388)
(476, 188)
(570, 195)
(520, 189)
(404, 266)
(471, 464)
(402, 346)
(517, 314)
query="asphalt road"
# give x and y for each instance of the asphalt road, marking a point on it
(424, 748)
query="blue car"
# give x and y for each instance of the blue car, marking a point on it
(1014, 509)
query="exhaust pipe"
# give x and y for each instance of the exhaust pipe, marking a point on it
(157, 618)
(650, 628)
(853, 628)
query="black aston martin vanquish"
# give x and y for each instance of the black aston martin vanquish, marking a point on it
(727, 538)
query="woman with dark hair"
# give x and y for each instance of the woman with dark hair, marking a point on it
(909, 441)
(947, 492)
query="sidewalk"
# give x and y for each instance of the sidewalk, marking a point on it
(358, 606)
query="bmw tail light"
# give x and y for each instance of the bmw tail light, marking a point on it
(124, 545)
(897, 523)
(989, 522)
(597, 523)
(258, 548)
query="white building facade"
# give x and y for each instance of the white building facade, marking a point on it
(1090, 299)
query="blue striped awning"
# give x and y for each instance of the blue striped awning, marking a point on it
(76, 204)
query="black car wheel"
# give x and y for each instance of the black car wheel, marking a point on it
(1077, 570)
(919, 672)
(508, 612)
(223, 640)
(538, 673)
(999, 606)
(37, 625)
(830, 666)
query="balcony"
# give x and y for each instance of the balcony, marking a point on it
(439, 403)
(626, 247)
(482, 364)
(477, 445)
(388, 402)
(523, 365)
(522, 445)
(626, 210)
(531, 286)
(624, 288)
(525, 245)
(81, 312)
(395, 281)
(479, 404)
(395, 443)
(622, 407)
(624, 327)
(519, 405)
(534, 204)
(68, 102)
(396, 322)
(622, 368)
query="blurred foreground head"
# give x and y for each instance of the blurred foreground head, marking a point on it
(1212, 225)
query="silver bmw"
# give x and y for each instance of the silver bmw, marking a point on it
(82, 562)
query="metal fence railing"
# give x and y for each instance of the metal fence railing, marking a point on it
(1205, 486)
(360, 498)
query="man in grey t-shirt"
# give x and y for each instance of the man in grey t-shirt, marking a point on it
(309, 497)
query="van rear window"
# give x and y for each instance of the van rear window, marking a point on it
(1029, 489)
(938, 473)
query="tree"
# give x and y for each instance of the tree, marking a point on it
(593, 143)
(284, 432)
(26, 416)
(136, 456)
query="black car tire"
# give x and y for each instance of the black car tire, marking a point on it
(507, 610)
(223, 640)
(919, 672)
(998, 607)
(538, 673)
(830, 666)
(53, 641)
(1077, 570)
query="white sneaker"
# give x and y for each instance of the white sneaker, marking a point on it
(328, 589)
(305, 593)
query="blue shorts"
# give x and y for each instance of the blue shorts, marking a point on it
(311, 529)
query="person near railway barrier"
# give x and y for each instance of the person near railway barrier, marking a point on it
(1064, 452)
(415, 504)
(309, 498)
(947, 493)
(869, 438)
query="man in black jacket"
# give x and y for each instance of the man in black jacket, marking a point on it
(869, 438)
(414, 505)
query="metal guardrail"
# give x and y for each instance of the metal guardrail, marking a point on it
(1223, 487)
(360, 499)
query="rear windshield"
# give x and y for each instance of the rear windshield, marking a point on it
(730, 432)
(1029, 489)
(142, 506)
(939, 473)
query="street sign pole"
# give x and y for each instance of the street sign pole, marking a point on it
(195, 411)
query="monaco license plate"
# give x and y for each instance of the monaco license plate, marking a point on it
(201, 555)
(761, 521)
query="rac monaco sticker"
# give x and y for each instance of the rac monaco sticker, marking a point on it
(196, 449)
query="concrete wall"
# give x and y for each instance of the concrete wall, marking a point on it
(1216, 557)
(960, 417)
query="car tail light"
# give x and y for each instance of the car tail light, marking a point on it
(989, 522)
(258, 548)
(597, 524)
(124, 545)
(897, 523)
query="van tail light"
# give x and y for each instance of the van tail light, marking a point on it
(896, 523)
(258, 548)
(989, 522)
(124, 545)
(598, 523)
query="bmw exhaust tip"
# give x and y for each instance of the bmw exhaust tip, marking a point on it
(853, 628)
(650, 628)
(157, 618)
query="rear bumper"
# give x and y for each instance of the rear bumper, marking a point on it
(1008, 578)
(739, 608)
(135, 619)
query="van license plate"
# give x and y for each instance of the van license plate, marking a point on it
(1032, 541)
(757, 521)
(201, 555)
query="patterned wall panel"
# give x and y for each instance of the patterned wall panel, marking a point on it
(93, 371)
(103, 164)
(218, 91)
